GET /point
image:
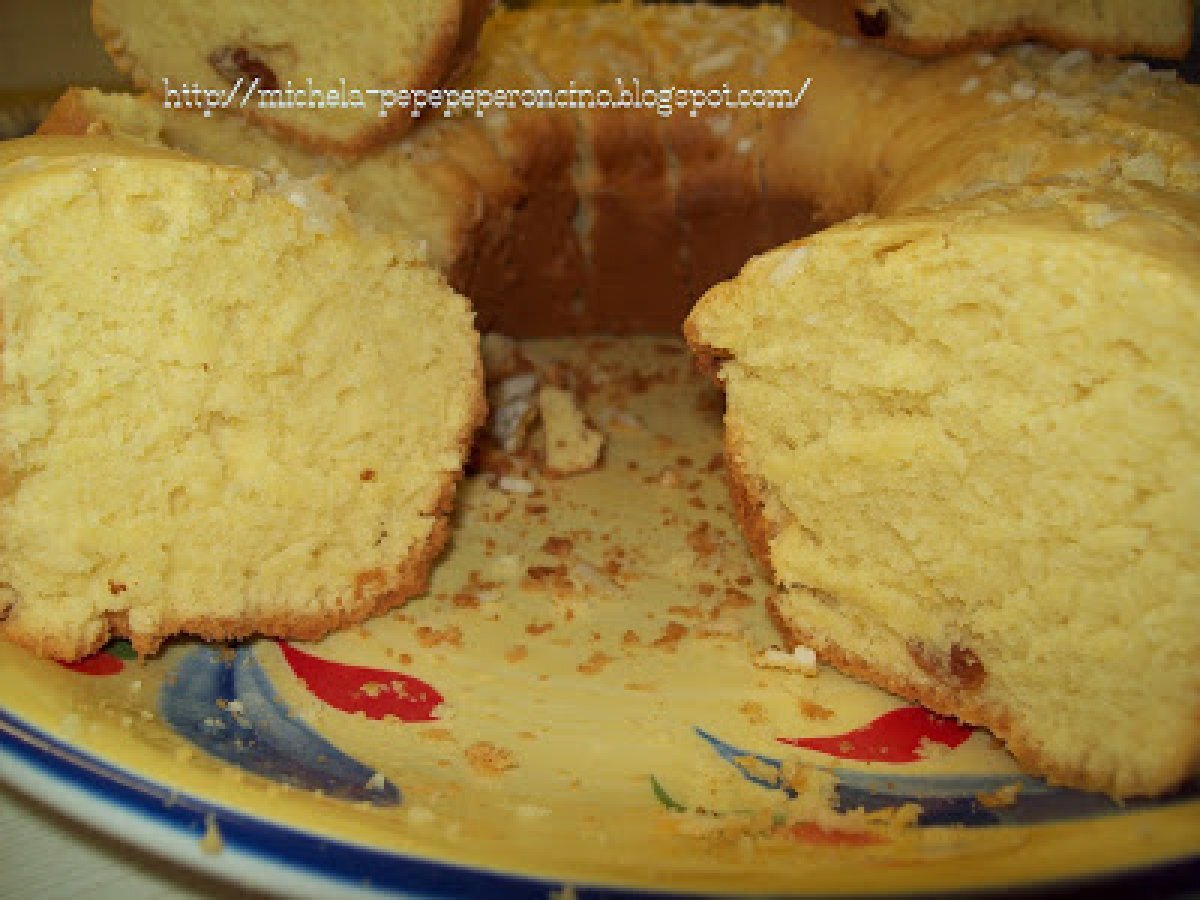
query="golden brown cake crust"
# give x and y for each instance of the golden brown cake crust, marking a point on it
(68, 116)
(747, 504)
(947, 701)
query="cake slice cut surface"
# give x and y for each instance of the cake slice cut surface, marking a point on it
(966, 445)
(225, 410)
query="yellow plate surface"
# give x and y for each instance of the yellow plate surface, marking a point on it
(582, 697)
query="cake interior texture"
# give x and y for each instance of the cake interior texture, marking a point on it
(966, 446)
(225, 411)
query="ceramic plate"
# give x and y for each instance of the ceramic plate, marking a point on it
(586, 699)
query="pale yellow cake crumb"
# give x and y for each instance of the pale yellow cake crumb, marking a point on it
(572, 445)
(488, 759)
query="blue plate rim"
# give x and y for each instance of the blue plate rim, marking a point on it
(267, 845)
(267, 851)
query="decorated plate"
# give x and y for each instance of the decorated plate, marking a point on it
(588, 699)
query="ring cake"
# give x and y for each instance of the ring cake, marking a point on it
(960, 424)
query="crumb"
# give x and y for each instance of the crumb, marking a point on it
(548, 578)
(572, 446)
(431, 637)
(720, 629)
(517, 653)
(536, 628)
(815, 711)
(594, 663)
(437, 734)
(671, 636)
(1005, 795)
(488, 759)
(558, 546)
(754, 711)
(737, 599)
(512, 484)
(464, 600)
(701, 540)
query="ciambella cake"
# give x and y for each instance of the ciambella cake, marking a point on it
(561, 220)
(328, 75)
(218, 414)
(1079, 152)
(932, 27)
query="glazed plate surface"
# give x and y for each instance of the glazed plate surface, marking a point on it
(589, 698)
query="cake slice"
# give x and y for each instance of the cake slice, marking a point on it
(966, 447)
(934, 27)
(318, 74)
(225, 410)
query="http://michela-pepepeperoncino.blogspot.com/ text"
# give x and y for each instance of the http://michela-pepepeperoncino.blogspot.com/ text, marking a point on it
(247, 92)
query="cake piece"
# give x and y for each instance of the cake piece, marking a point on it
(964, 443)
(296, 70)
(935, 27)
(572, 446)
(225, 410)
